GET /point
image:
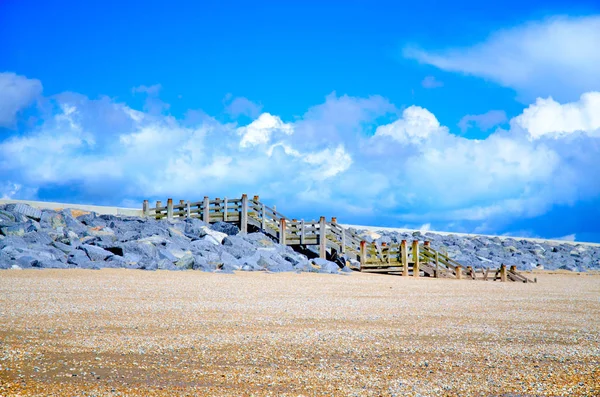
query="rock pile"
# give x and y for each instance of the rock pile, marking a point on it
(30, 237)
(481, 251)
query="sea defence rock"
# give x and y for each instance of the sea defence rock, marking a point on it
(482, 251)
(30, 238)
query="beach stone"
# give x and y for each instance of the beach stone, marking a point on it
(52, 220)
(185, 262)
(24, 209)
(17, 229)
(95, 254)
(224, 227)
(7, 218)
(325, 266)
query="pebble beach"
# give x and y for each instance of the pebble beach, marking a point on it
(123, 332)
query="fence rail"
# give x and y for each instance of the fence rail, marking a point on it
(393, 258)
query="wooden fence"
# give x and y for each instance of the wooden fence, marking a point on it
(393, 258)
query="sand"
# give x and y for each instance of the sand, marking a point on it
(136, 333)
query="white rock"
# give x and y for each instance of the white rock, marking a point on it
(16, 267)
(218, 236)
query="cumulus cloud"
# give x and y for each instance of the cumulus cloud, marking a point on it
(243, 106)
(546, 117)
(558, 56)
(357, 158)
(261, 130)
(483, 121)
(415, 126)
(16, 93)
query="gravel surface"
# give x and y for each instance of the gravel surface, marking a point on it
(134, 333)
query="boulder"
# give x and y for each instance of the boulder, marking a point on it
(24, 209)
(96, 254)
(224, 227)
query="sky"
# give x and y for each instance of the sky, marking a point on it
(456, 116)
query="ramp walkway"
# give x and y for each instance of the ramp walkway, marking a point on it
(329, 240)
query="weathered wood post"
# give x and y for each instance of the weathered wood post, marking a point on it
(206, 210)
(145, 208)
(157, 211)
(503, 273)
(426, 244)
(322, 238)
(459, 272)
(415, 257)
(363, 254)
(385, 251)
(170, 209)
(343, 240)
(282, 231)
(225, 210)
(218, 211)
(470, 272)
(188, 210)
(244, 215)
(404, 256)
(437, 264)
(302, 232)
(180, 208)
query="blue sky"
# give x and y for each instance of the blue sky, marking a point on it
(460, 116)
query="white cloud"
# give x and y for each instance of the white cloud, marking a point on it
(483, 121)
(431, 82)
(546, 117)
(16, 93)
(243, 106)
(556, 57)
(149, 90)
(416, 125)
(261, 130)
(338, 158)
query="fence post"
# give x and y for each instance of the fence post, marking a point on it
(145, 208)
(170, 209)
(385, 252)
(459, 272)
(503, 273)
(282, 231)
(437, 264)
(302, 232)
(363, 254)
(322, 238)
(244, 215)
(263, 220)
(343, 240)
(188, 210)
(225, 209)
(157, 211)
(404, 253)
(206, 210)
(415, 257)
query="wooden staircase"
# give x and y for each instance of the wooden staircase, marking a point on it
(329, 239)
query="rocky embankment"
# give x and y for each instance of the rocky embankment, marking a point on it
(482, 251)
(33, 238)
(30, 237)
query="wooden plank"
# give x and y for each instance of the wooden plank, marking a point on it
(404, 254)
(225, 210)
(244, 215)
(170, 209)
(415, 257)
(322, 238)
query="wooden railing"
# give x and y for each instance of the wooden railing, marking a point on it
(395, 258)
